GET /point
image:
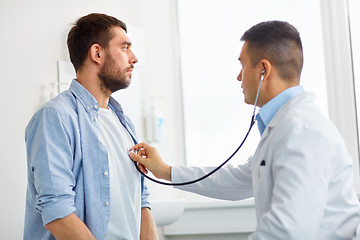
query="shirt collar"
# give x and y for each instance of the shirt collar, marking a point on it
(90, 103)
(84, 96)
(268, 111)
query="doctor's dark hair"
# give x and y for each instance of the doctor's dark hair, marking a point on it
(278, 42)
(88, 30)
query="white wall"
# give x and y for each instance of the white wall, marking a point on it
(33, 38)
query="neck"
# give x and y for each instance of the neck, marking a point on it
(274, 89)
(91, 82)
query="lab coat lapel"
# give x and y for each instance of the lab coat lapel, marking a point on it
(264, 137)
(261, 169)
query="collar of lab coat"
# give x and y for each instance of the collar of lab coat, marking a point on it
(301, 98)
(268, 111)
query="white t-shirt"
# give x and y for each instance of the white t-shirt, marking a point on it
(125, 183)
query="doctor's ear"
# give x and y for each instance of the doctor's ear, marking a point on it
(266, 67)
(96, 53)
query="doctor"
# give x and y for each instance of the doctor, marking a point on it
(301, 174)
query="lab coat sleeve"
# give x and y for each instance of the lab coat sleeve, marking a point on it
(301, 171)
(228, 183)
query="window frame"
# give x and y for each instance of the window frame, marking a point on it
(340, 76)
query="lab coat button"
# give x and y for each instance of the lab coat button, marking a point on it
(106, 173)
(106, 203)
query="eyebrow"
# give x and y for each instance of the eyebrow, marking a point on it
(127, 43)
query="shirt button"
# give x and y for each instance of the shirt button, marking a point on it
(106, 173)
(87, 108)
(96, 106)
(106, 203)
(95, 119)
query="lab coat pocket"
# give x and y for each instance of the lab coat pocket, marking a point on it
(262, 170)
(264, 180)
(264, 188)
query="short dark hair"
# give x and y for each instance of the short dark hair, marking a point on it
(88, 30)
(280, 43)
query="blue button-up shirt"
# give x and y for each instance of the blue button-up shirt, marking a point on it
(268, 111)
(67, 162)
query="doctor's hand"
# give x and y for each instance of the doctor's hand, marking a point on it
(149, 159)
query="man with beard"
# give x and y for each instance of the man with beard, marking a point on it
(81, 183)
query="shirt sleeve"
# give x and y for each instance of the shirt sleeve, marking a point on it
(49, 152)
(144, 194)
(228, 183)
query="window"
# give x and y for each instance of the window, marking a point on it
(216, 118)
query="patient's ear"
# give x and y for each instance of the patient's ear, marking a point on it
(96, 53)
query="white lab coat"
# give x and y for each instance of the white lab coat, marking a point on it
(301, 178)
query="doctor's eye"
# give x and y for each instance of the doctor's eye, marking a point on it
(241, 66)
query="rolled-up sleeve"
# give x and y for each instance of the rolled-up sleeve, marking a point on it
(144, 194)
(50, 151)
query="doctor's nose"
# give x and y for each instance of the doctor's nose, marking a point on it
(239, 77)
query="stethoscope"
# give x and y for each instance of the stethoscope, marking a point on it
(253, 120)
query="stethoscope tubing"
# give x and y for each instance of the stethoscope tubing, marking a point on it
(206, 175)
(221, 165)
